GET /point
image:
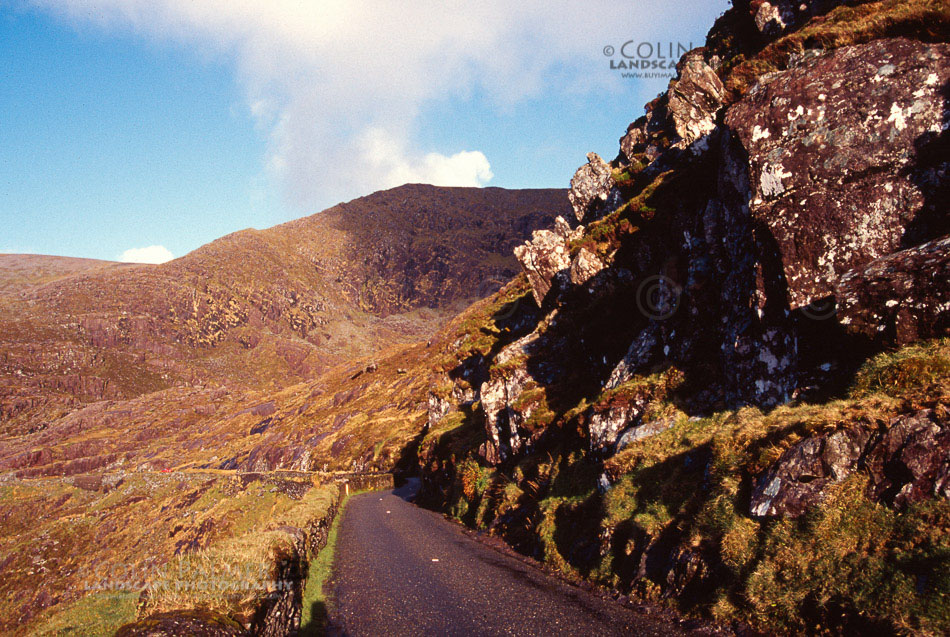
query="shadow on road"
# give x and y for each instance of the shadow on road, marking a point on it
(318, 626)
(409, 490)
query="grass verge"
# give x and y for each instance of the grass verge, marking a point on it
(313, 619)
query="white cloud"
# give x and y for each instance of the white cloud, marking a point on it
(151, 254)
(388, 159)
(338, 86)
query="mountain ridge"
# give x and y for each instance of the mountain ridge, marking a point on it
(263, 306)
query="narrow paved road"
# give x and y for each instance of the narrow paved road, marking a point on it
(403, 570)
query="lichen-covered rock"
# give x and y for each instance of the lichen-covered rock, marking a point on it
(833, 148)
(911, 462)
(800, 476)
(774, 18)
(604, 425)
(590, 187)
(695, 98)
(687, 569)
(499, 395)
(808, 189)
(437, 408)
(645, 430)
(678, 119)
(544, 257)
(900, 298)
(731, 246)
(502, 419)
(907, 462)
(634, 141)
(515, 391)
(585, 266)
(769, 18)
(641, 353)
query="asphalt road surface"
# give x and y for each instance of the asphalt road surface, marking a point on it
(403, 570)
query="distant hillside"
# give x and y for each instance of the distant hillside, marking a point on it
(257, 308)
(19, 272)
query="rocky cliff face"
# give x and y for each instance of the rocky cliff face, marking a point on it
(775, 220)
(793, 192)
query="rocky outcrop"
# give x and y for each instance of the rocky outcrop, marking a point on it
(906, 462)
(437, 408)
(695, 98)
(604, 426)
(790, 202)
(542, 259)
(679, 119)
(590, 187)
(911, 462)
(505, 398)
(801, 475)
(546, 256)
(832, 185)
(900, 298)
(806, 194)
(455, 390)
(633, 143)
(612, 429)
(503, 419)
(777, 17)
(808, 190)
(645, 430)
(585, 266)
(773, 19)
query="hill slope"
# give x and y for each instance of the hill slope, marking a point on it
(256, 308)
(21, 271)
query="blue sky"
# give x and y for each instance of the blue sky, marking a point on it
(126, 124)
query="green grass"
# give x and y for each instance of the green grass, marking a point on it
(911, 369)
(91, 616)
(313, 620)
(849, 565)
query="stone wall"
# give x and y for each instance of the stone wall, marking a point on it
(356, 482)
(279, 610)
